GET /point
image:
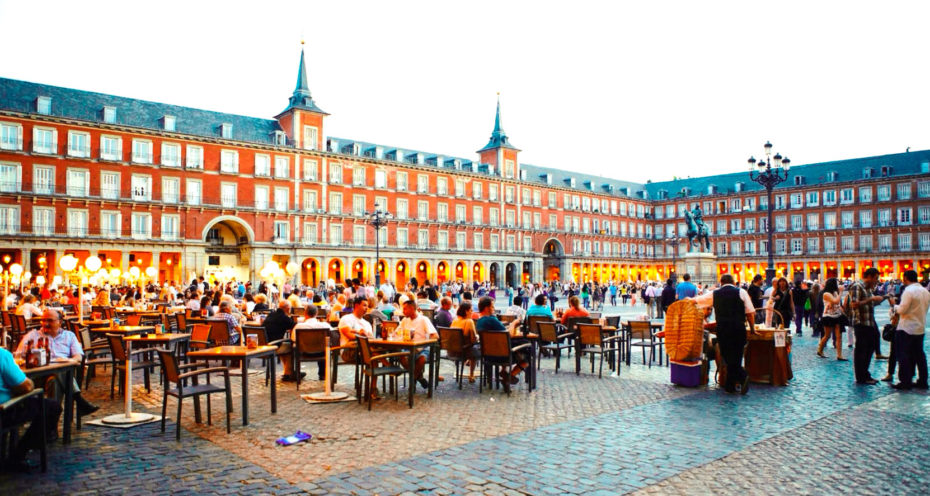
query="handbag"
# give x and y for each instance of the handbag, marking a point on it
(888, 332)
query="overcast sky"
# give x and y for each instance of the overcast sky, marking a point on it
(630, 90)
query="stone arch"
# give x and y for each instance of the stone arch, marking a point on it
(238, 226)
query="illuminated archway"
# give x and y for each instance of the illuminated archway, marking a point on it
(402, 274)
(477, 271)
(359, 269)
(422, 272)
(335, 270)
(310, 272)
(442, 271)
(461, 271)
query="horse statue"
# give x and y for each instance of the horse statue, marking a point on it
(697, 232)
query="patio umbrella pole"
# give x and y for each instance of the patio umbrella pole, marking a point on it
(327, 394)
(128, 417)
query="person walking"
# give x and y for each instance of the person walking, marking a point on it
(909, 333)
(732, 309)
(784, 304)
(830, 319)
(862, 311)
(799, 296)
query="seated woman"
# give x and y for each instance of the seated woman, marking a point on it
(464, 322)
(574, 309)
(539, 308)
(28, 307)
(206, 307)
(261, 303)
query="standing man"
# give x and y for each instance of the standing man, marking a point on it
(732, 309)
(755, 295)
(669, 295)
(686, 289)
(799, 294)
(862, 312)
(909, 337)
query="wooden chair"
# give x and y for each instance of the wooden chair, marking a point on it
(132, 319)
(496, 352)
(592, 341)
(641, 336)
(506, 319)
(530, 323)
(550, 339)
(9, 430)
(174, 375)
(94, 354)
(452, 341)
(219, 332)
(118, 352)
(7, 330)
(200, 337)
(19, 326)
(180, 319)
(377, 366)
(310, 345)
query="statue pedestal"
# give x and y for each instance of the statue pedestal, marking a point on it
(702, 267)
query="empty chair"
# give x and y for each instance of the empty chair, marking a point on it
(641, 336)
(174, 375)
(374, 366)
(592, 341)
(94, 354)
(309, 344)
(118, 352)
(550, 339)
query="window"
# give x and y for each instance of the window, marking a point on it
(478, 241)
(884, 217)
(358, 205)
(509, 194)
(170, 189)
(310, 200)
(109, 115)
(510, 217)
(813, 222)
(527, 222)
(553, 222)
(797, 223)
(865, 218)
(423, 239)
(335, 203)
(829, 220)
(310, 233)
(780, 246)
(311, 139)
(171, 154)
(310, 170)
(442, 212)
(11, 136)
(813, 245)
(492, 192)
(169, 122)
(43, 180)
(282, 167)
(494, 217)
(401, 209)
(78, 182)
(495, 243)
(226, 130)
(924, 241)
(847, 244)
(78, 144)
(43, 220)
(109, 185)
(358, 235)
(884, 192)
(194, 157)
(44, 105)
(262, 165)
(904, 241)
(401, 181)
(358, 176)
(846, 195)
(865, 194)
(229, 161)
(402, 237)
(779, 202)
(9, 219)
(194, 192)
(460, 241)
(780, 223)
(904, 191)
(460, 215)
(141, 151)
(904, 216)
(865, 242)
(846, 219)
(422, 210)
(476, 190)
(335, 173)
(110, 224)
(460, 188)
(884, 242)
(442, 186)
(170, 226)
(228, 194)
(829, 197)
(141, 187)
(442, 240)
(380, 179)
(526, 196)
(44, 140)
(77, 222)
(281, 231)
(422, 183)
(829, 245)
(923, 215)
(335, 234)
(261, 197)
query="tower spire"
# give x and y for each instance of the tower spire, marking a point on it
(498, 130)
(498, 136)
(301, 97)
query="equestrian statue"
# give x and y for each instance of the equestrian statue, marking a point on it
(697, 230)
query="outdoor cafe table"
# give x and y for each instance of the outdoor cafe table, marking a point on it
(765, 361)
(125, 330)
(56, 367)
(169, 339)
(243, 354)
(411, 347)
(655, 325)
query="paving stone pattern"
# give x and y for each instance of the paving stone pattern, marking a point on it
(575, 435)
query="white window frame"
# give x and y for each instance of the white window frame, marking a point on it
(166, 221)
(75, 146)
(189, 197)
(39, 146)
(262, 165)
(194, 157)
(11, 136)
(168, 196)
(142, 151)
(229, 161)
(43, 221)
(75, 190)
(39, 186)
(117, 231)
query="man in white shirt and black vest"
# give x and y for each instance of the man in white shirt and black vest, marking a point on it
(732, 309)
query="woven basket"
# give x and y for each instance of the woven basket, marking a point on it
(684, 331)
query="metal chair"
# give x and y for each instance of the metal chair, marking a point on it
(550, 339)
(118, 352)
(497, 351)
(592, 341)
(641, 336)
(9, 430)
(309, 344)
(452, 341)
(174, 374)
(377, 366)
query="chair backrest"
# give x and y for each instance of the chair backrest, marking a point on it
(640, 329)
(151, 320)
(6, 318)
(533, 321)
(612, 321)
(494, 344)
(298, 311)
(169, 363)
(257, 330)
(108, 313)
(219, 332)
(200, 332)
(364, 350)
(571, 322)
(68, 308)
(116, 347)
(311, 340)
(389, 326)
(594, 315)
(133, 319)
(589, 334)
(506, 319)
(85, 338)
(429, 313)
(181, 320)
(18, 323)
(548, 331)
(451, 339)
(98, 309)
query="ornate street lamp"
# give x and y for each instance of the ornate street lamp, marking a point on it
(378, 219)
(771, 172)
(675, 241)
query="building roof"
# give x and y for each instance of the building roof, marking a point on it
(583, 182)
(301, 98)
(897, 164)
(498, 136)
(20, 96)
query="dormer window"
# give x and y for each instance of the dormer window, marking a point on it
(712, 189)
(547, 178)
(226, 130)
(663, 194)
(798, 180)
(109, 115)
(280, 138)
(868, 173)
(169, 123)
(833, 176)
(44, 105)
(474, 168)
(571, 182)
(739, 186)
(685, 191)
(522, 175)
(886, 170)
(592, 185)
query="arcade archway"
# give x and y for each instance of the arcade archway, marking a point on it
(553, 258)
(493, 271)
(461, 271)
(511, 275)
(310, 272)
(422, 272)
(477, 272)
(442, 271)
(359, 270)
(335, 271)
(402, 272)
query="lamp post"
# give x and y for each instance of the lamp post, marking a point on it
(771, 172)
(675, 241)
(16, 270)
(378, 219)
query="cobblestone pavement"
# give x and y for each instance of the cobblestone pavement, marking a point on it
(574, 435)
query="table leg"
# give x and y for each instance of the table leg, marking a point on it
(245, 392)
(432, 372)
(411, 364)
(629, 344)
(69, 406)
(274, 384)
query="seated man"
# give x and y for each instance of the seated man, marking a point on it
(63, 344)
(489, 322)
(13, 382)
(232, 322)
(420, 328)
(278, 325)
(444, 315)
(516, 309)
(423, 301)
(540, 308)
(352, 325)
(311, 322)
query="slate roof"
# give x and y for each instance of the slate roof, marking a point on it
(336, 145)
(535, 175)
(902, 164)
(20, 96)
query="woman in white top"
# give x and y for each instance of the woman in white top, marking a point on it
(832, 313)
(28, 307)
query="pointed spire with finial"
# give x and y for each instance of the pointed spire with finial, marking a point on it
(301, 97)
(498, 136)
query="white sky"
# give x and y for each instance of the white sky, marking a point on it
(630, 90)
